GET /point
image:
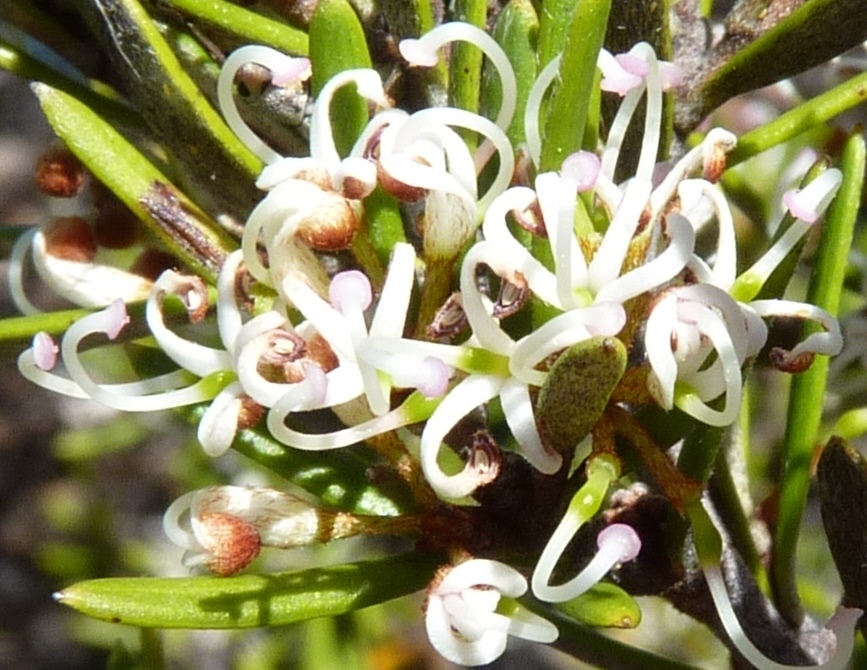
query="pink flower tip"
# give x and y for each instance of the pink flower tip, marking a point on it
(44, 351)
(621, 85)
(798, 207)
(116, 318)
(295, 71)
(414, 54)
(583, 167)
(633, 64)
(350, 288)
(623, 537)
(671, 75)
(436, 377)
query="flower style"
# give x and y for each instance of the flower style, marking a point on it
(462, 613)
(617, 543)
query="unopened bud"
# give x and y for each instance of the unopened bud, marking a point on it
(330, 227)
(70, 238)
(59, 173)
(232, 542)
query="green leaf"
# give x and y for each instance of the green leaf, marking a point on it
(802, 118)
(465, 63)
(567, 115)
(177, 222)
(767, 41)
(605, 605)
(340, 478)
(249, 601)
(808, 388)
(555, 17)
(577, 389)
(516, 30)
(337, 43)
(253, 27)
(207, 151)
(384, 223)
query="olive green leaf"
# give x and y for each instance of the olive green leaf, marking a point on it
(516, 30)
(605, 605)
(577, 390)
(249, 601)
(567, 115)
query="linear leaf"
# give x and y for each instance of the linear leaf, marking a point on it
(249, 601)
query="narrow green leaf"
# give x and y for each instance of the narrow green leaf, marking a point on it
(384, 223)
(177, 222)
(253, 27)
(808, 388)
(19, 330)
(555, 17)
(249, 601)
(186, 124)
(516, 30)
(567, 115)
(465, 64)
(802, 118)
(337, 43)
(605, 605)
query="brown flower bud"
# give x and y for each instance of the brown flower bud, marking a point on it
(59, 173)
(70, 238)
(251, 413)
(714, 163)
(514, 293)
(233, 543)
(531, 220)
(330, 227)
(321, 353)
(397, 189)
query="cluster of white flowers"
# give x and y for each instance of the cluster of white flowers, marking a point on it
(339, 342)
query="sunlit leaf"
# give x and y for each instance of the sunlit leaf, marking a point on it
(249, 600)
(133, 178)
(605, 605)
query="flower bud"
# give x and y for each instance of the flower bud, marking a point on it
(59, 173)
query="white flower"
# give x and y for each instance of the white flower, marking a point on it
(224, 527)
(461, 618)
